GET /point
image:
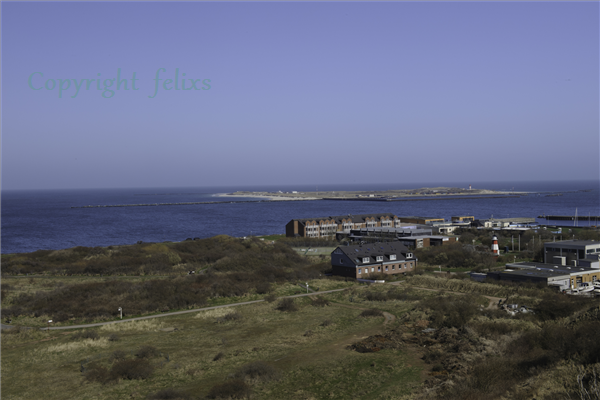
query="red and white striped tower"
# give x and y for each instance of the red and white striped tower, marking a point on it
(495, 249)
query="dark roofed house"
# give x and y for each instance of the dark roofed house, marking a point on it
(358, 261)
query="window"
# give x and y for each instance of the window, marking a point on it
(341, 260)
(594, 278)
(393, 267)
(372, 269)
(392, 256)
(379, 269)
(386, 268)
(359, 271)
(379, 258)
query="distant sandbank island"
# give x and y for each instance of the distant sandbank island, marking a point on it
(377, 195)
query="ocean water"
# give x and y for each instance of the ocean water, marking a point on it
(33, 220)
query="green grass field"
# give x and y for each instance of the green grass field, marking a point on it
(38, 364)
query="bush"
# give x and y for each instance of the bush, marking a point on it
(132, 369)
(376, 296)
(98, 374)
(219, 356)
(263, 287)
(85, 335)
(147, 352)
(169, 394)
(432, 356)
(372, 312)
(287, 305)
(233, 388)
(113, 337)
(271, 297)
(320, 302)
(257, 372)
(118, 355)
(326, 323)
(234, 316)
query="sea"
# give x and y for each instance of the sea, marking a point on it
(54, 219)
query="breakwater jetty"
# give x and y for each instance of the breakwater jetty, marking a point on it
(179, 204)
(444, 197)
(571, 217)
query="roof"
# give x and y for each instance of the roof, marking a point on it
(384, 229)
(372, 250)
(361, 217)
(530, 273)
(415, 217)
(553, 268)
(572, 244)
(313, 219)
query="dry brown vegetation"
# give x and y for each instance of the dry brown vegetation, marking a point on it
(476, 352)
(225, 267)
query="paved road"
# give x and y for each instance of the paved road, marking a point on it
(172, 313)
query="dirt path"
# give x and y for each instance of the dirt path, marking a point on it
(491, 305)
(172, 313)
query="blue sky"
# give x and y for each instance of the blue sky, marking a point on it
(298, 93)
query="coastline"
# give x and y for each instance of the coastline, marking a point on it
(373, 195)
(265, 197)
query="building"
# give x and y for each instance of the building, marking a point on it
(463, 218)
(358, 261)
(417, 242)
(328, 226)
(380, 234)
(421, 220)
(571, 252)
(561, 276)
(503, 223)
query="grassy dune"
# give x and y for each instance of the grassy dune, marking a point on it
(313, 365)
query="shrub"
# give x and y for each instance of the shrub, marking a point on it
(432, 356)
(263, 287)
(219, 356)
(320, 302)
(147, 352)
(372, 312)
(437, 368)
(257, 371)
(132, 369)
(85, 335)
(13, 330)
(169, 394)
(233, 388)
(287, 305)
(113, 337)
(118, 355)
(308, 333)
(234, 316)
(326, 323)
(376, 296)
(271, 297)
(98, 374)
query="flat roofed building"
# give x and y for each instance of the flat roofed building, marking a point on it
(421, 220)
(358, 261)
(417, 242)
(463, 218)
(571, 250)
(570, 276)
